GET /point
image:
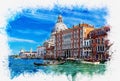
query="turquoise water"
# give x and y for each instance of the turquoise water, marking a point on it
(22, 66)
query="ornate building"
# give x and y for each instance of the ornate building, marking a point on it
(82, 41)
(70, 42)
(100, 43)
(27, 54)
(50, 44)
(41, 51)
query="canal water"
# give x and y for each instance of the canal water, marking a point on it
(22, 66)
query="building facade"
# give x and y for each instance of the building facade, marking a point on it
(27, 54)
(100, 43)
(69, 43)
(50, 44)
(82, 41)
(87, 49)
(41, 51)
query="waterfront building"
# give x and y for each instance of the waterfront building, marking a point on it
(27, 54)
(50, 44)
(82, 41)
(49, 50)
(41, 51)
(87, 49)
(100, 43)
(69, 43)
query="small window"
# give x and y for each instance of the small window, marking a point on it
(98, 48)
(90, 42)
(98, 41)
(87, 43)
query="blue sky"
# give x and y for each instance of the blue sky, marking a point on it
(31, 28)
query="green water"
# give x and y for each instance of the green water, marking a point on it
(72, 69)
(22, 66)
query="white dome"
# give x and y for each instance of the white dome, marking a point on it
(59, 26)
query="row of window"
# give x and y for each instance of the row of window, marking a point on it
(41, 52)
(98, 33)
(100, 48)
(66, 46)
(87, 43)
(68, 35)
(87, 53)
(98, 40)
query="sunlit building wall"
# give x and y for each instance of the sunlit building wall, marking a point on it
(70, 42)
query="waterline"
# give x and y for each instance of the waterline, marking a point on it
(22, 66)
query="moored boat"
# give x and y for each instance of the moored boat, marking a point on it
(49, 63)
(90, 62)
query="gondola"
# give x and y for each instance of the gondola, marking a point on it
(47, 64)
(40, 64)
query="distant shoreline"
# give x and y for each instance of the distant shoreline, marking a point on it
(17, 56)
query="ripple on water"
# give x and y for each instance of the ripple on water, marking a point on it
(21, 66)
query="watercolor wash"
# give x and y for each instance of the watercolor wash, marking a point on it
(59, 41)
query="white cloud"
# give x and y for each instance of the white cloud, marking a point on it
(35, 32)
(9, 9)
(12, 39)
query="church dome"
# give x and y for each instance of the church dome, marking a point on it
(59, 26)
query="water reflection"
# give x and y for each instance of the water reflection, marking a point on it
(71, 68)
(21, 66)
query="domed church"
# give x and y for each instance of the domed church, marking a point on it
(49, 44)
(59, 26)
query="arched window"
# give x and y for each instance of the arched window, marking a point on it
(87, 43)
(98, 41)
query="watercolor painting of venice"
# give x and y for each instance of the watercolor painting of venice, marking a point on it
(69, 43)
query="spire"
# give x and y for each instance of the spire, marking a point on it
(59, 19)
(30, 50)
